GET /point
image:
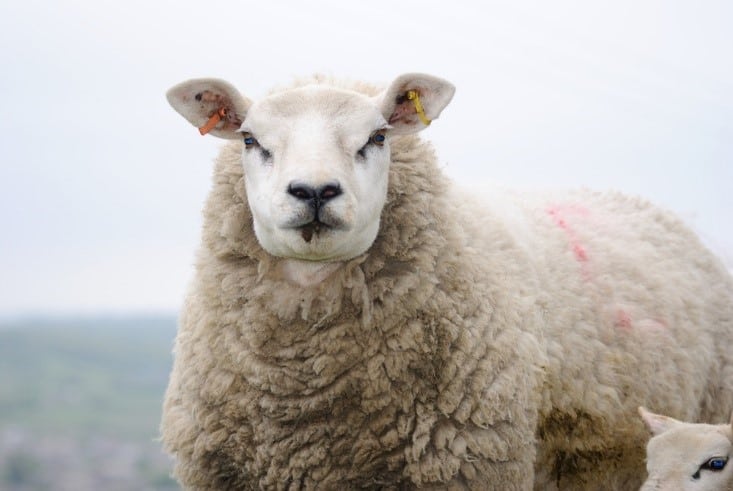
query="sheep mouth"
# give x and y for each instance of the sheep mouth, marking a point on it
(315, 227)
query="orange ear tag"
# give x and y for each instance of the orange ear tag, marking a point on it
(213, 121)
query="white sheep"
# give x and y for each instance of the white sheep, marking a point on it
(357, 321)
(687, 456)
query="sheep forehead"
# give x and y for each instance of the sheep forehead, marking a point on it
(687, 447)
(315, 110)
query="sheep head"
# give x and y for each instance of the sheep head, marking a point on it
(685, 456)
(316, 158)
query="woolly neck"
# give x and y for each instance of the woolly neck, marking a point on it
(307, 274)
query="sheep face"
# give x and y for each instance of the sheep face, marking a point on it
(685, 456)
(316, 162)
(316, 158)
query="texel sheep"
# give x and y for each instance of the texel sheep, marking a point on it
(686, 456)
(357, 321)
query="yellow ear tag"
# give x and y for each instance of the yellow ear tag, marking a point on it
(415, 98)
(213, 121)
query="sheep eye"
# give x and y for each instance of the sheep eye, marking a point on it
(249, 140)
(377, 138)
(715, 464)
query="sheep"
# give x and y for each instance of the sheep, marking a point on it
(688, 456)
(358, 321)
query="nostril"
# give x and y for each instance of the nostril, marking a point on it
(301, 191)
(314, 195)
(329, 191)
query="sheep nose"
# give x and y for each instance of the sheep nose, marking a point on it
(315, 195)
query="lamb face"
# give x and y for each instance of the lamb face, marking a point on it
(316, 158)
(316, 162)
(685, 456)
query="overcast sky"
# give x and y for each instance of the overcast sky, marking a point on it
(101, 183)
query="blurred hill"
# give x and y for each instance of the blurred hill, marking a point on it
(80, 403)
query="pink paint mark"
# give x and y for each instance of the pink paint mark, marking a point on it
(580, 253)
(623, 320)
(560, 215)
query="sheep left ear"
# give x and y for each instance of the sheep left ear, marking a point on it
(657, 423)
(413, 100)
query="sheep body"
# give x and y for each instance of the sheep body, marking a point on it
(493, 343)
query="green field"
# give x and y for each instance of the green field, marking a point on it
(82, 398)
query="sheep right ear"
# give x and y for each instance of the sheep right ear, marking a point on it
(657, 423)
(212, 105)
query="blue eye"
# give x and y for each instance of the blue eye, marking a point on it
(716, 464)
(378, 138)
(249, 140)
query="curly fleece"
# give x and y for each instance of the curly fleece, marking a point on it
(471, 347)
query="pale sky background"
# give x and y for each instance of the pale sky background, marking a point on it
(102, 183)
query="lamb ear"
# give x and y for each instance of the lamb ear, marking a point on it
(212, 105)
(413, 100)
(657, 423)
